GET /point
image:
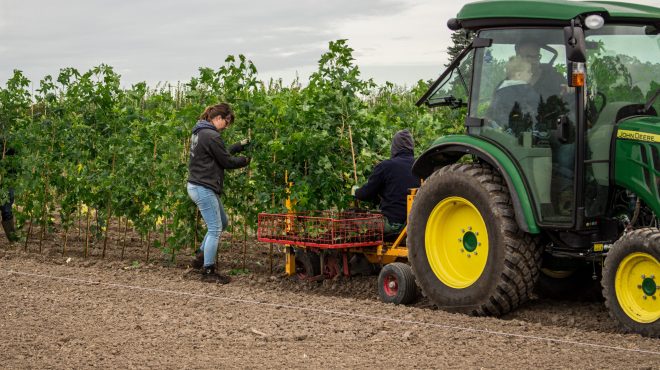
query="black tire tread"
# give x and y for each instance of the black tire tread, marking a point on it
(522, 252)
(407, 284)
(649, 240)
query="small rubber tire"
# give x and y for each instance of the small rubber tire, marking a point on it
(644, 243)
(396, 284)
(513, 257)
(308, 264)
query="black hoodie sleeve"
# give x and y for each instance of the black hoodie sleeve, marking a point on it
(226, 160)
(236, 148)
(369, 191)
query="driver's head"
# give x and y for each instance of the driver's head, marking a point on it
(530, 51)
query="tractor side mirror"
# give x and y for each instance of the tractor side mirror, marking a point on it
(576, 50)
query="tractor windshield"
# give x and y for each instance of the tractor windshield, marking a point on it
(623, 74)
(520, 91)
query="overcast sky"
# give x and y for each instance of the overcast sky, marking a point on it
(168, 40)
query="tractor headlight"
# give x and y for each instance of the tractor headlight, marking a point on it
(594, 22)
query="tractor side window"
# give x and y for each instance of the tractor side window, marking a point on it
(520, 92)
(623, 63)
(453, 87)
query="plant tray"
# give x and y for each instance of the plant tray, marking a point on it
(321, 229)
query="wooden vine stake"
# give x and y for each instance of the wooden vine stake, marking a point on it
(66, 236)
(196, 226)
(27, 237)
(123, 242)
(107, 226)
(244, 244)
(350, 138)
(148, 245)
(87, 233)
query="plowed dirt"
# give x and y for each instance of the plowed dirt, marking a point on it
(73, 312)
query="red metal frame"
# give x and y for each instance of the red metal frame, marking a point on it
(321, 229)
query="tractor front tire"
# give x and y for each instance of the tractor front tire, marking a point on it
(466, 250)
(630, 281)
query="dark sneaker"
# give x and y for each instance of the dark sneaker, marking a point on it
(210, 276)
(198, 261)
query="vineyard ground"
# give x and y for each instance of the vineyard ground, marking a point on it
(75, 312)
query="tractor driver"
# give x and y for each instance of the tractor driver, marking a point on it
(545, 79)
(515, 102)
(390, 181)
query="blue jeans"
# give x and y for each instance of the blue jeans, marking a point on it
(214, 216)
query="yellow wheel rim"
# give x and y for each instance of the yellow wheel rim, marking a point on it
(636, 287)
(456, 242)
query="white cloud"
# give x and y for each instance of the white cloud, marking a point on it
(397, 40)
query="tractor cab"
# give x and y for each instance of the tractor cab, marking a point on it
(559, 166)
(550, 93)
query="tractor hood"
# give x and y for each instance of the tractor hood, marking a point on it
(644, 129)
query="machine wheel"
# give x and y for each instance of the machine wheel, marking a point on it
(464, 244)
(630, 281)
(396, 284)
(308, 264)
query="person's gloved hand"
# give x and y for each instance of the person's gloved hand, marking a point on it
(354, 189)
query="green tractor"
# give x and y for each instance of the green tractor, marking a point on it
(559, 166)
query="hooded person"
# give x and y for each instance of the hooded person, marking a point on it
(389, 183)
(209, 158)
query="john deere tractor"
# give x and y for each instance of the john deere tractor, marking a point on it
(559, 166)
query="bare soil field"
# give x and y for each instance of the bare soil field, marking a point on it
(67, 311)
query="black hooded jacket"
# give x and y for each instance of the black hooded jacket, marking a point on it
(391, 179)
(209, 157)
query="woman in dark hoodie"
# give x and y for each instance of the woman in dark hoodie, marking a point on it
(390, 181)
(208, 160)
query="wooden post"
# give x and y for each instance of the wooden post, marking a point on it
(87, 233)
(27, 237)
(244, 244)
(148, 245)
(123, 242)
(350, 138)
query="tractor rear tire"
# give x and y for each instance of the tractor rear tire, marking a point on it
(630, 282)
(396, 284)
(466, 250)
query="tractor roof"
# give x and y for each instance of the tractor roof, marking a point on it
(477, 14)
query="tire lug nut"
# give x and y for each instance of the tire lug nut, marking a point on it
(463, 231)
(644, 297)
(639, 287)
(477, 233)
(643, 276)
(468, 255)
(470, 228)
(652, 277)
(475, 253)
(460, 240)
(479, 244)
(462, 250)
(653, 297)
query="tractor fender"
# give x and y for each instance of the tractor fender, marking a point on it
(449, 149)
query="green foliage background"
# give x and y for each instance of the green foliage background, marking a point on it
(81, 142)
